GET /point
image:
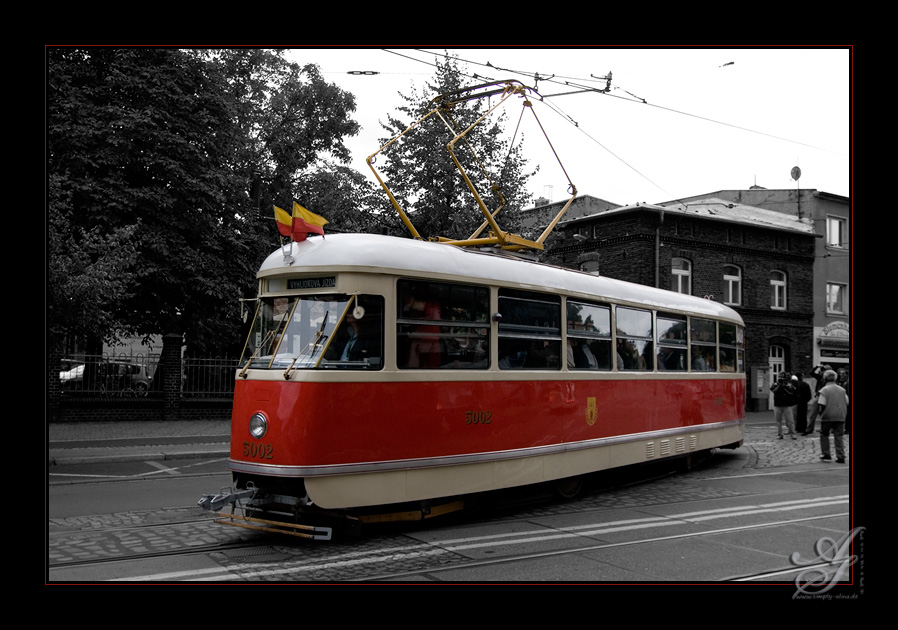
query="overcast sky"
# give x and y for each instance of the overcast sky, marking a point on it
(676, 122)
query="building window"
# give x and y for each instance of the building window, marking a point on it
(778, 290)
(836, 295)
(836, 232)
(681, 280)
(732, 285)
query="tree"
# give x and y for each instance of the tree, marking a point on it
(164, 165)
(425, 181)
(349, 200)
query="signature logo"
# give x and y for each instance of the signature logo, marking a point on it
(830, 554)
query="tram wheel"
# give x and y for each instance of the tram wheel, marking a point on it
(694, 460)
(568, 488)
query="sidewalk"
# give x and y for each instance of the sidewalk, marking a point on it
(95, 442)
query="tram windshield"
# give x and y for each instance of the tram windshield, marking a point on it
(316, 331)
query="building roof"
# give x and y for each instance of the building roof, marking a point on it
(716, 209)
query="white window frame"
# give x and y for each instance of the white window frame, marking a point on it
(778, 290)
(681, 275)
(732, 284)
(841, 308)
(837, 232)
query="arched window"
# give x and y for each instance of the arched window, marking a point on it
(681, 276)
(778, 290)
(732, 285)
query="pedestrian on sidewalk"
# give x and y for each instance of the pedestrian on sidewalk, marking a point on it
(804, 397)
(817, 373)
(843, 381)
(785, 397)
(833, 408)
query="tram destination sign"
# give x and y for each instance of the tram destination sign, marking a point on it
(324, 282)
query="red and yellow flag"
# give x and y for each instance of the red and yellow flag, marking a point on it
(284, 221)
(308, 217)
(300, 224)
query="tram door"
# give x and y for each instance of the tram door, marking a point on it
(777, 361)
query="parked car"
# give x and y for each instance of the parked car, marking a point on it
(73, 378)
(117, 376)
(111, 376)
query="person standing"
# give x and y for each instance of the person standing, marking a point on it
(832, 403)
(804, 397)
(817, 373)
(843, 382)
(784, 398)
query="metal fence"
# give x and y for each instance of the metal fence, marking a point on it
(208, 377)
(135, 376)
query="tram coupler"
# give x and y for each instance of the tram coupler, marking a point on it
(227, 496)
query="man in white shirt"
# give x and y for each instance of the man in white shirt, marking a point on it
(832, 403)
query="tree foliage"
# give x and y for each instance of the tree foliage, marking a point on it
(163, 168)
(422, 176)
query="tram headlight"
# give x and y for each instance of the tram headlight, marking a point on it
(258, 425)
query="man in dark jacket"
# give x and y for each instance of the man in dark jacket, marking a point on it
(784, 398)
(804, 397)
(817, 373)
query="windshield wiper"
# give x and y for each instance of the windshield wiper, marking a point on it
(268, 336)
(313, 343)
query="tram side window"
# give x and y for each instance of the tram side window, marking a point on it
(442, 326)
(634, 339)
(358, 342)
(672, 340)
(588, 336)
(732, 348)
(703, 335)
(529, 331)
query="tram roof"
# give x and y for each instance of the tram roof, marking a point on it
(372, 253)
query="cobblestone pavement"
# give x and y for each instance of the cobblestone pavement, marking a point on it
(766, 450)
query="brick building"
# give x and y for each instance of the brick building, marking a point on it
(831, 217)
(758, 261)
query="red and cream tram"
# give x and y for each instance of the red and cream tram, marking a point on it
(384, 370)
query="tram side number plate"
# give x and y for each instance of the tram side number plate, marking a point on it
(478, 417)
(258, 451)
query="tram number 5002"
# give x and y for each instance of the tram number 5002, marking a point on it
(478, 417)
(259, 451)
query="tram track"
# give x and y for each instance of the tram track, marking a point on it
(137, 557)
(517, 558)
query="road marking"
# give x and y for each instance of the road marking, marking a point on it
(166, 469)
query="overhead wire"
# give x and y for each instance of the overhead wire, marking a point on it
(581, 84)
